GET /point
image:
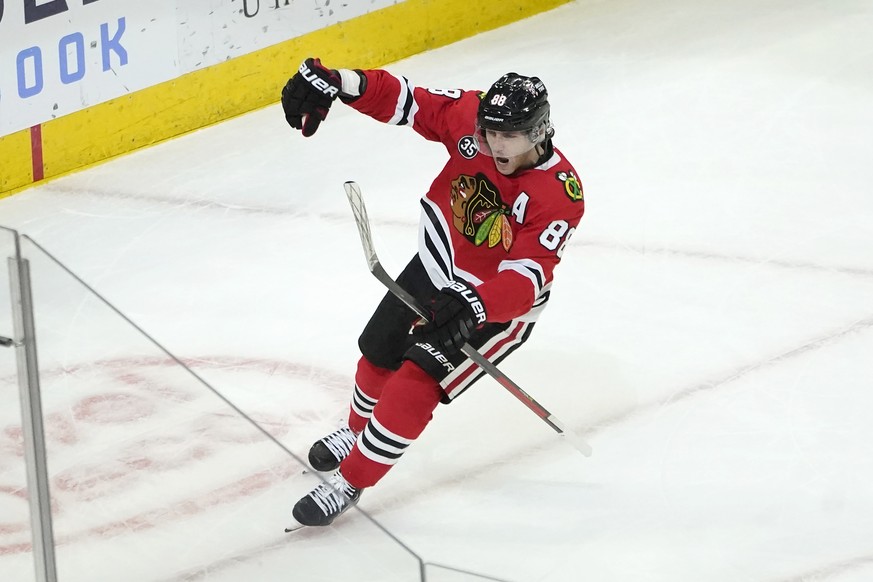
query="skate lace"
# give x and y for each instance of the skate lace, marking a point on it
(340, 442)
(334, 495)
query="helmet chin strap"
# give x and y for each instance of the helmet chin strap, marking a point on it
(545, 150)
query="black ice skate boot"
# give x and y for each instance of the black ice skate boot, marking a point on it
(326, 454)
(326, 502)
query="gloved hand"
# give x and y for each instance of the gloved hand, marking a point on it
(455, 313)
(308, 95)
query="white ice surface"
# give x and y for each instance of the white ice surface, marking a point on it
(710, 332)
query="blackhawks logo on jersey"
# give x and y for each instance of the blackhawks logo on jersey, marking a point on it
(571, 185)
(479, 213)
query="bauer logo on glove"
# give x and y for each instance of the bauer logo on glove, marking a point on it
(471, 297)
(308, 95)
(456, 312)
(319, 83)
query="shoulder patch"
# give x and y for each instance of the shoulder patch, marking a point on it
(468, 147)
(572, 187)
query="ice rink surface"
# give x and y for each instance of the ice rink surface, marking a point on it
(710, 331)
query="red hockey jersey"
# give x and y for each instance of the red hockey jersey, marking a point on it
(504, 234)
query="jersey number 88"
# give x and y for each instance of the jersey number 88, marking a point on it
(554, 234)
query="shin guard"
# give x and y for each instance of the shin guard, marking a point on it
(401, 414)
(369, 383)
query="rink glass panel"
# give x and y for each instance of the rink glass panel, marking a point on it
(16, 558)
(152, 473)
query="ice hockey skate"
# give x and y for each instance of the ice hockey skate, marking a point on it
(325, 503)
(327, 453)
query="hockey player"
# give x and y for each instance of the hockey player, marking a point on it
(493, 227)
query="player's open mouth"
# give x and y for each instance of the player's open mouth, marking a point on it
(502, 160)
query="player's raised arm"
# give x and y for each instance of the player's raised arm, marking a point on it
(308, 95)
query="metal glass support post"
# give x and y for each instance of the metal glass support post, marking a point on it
(31, 415)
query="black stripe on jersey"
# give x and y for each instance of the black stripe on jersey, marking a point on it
(408, 105)
(437, 257)
(525, 335)
(530, 269)
(541, 299)
(432, 217)
(537, 275)
(443, 241)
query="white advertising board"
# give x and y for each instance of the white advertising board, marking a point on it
(61, 56)
(212, 31)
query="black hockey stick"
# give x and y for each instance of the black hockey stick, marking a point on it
(353, 191)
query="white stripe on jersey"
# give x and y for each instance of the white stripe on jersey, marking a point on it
(435, 250)
(469, 277)
(406, 107)
(413, 109)
(433, 236)
(550, 163)
(527, 268)
(543, 296)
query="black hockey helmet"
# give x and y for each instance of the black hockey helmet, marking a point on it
(517, 103)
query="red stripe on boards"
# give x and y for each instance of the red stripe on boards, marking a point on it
(36, 152)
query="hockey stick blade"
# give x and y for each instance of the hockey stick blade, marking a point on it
(356, 200)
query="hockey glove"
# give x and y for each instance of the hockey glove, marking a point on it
(455, 313)
(308, 95)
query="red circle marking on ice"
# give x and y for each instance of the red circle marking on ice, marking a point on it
(122, 407)
(112, 408)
